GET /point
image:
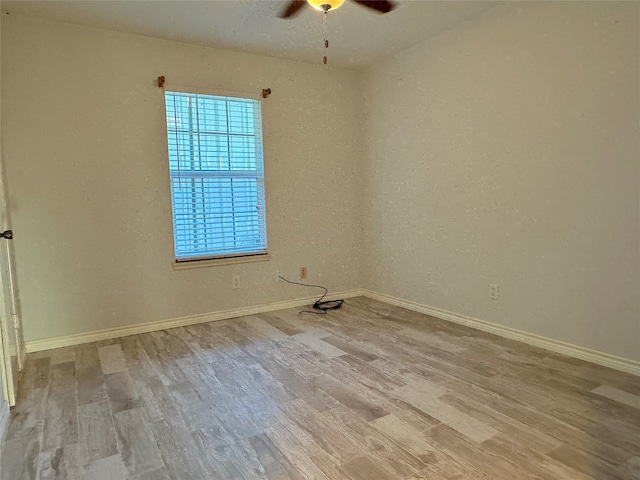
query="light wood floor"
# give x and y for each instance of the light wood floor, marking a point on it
(369, 392)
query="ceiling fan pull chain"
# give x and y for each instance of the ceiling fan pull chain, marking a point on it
(326, 42)
(326, 45)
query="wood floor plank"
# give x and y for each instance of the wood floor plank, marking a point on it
(167, 369)
(597, 425)
(631, 468)
(87, 356)
(596, 373)
(36, 373)
(585, 463)
(346, 396)
(61, 420)
(542, 466)
(264, 327)
(294, 450)
(464, 450)
(369, 391)
(275, 464)
(618, 395)
(301, 387)
(412, 415)
(179, 451)
(380, 447)
(60, 464)
(353, 349)
(19, 458)
(97, 438)
(111, 359)
(234, 459)
(269, 385)
(424, 395)
(138, 363)
(452, 470)
(313, 340)
(454, 379)
(28, 416)
(428, 339)
(369, 374)
(409, 438)
(160, 474)
(63, 355)
(513, 429)
(323, 433)
(156, 399)
(137, 445)
(91, 386)
(539, 421)
(276, 321)
(110, 468)
(121, 391)
(364, 468)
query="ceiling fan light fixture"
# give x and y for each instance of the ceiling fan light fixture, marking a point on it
(325, 5)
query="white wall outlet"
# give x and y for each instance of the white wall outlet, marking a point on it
(278, 275)
(235, 282)
(303, 273)
(493, 291)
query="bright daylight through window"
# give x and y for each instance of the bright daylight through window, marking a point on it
(217, 176)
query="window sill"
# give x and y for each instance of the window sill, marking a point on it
(215, 262)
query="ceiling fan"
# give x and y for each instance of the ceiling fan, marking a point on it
(380, 6)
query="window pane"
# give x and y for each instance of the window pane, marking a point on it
(215, 161)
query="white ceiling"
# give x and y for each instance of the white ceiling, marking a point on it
(357, 37)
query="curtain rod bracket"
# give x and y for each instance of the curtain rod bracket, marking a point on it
(161, 81)
(265, 92)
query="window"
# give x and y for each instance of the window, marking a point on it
(217, 176)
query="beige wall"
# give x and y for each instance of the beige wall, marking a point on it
(85, 148)
(507, 151)
(503, 151)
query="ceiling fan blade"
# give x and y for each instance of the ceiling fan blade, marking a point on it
(381, 6)
(293, 8)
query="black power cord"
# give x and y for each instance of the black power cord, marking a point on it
(321, 305)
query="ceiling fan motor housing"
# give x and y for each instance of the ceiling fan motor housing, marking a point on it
(325, 5)
(380, 6)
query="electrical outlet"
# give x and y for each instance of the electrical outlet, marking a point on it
(278, 275)
(303, 273)
(235, 282)
(493, 291)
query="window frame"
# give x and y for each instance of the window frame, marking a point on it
(228, 257)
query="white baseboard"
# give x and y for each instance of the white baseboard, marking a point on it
(95, 336)
(575, 351)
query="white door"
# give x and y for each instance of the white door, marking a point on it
(10, 321)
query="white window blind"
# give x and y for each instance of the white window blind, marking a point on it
(217, 175)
